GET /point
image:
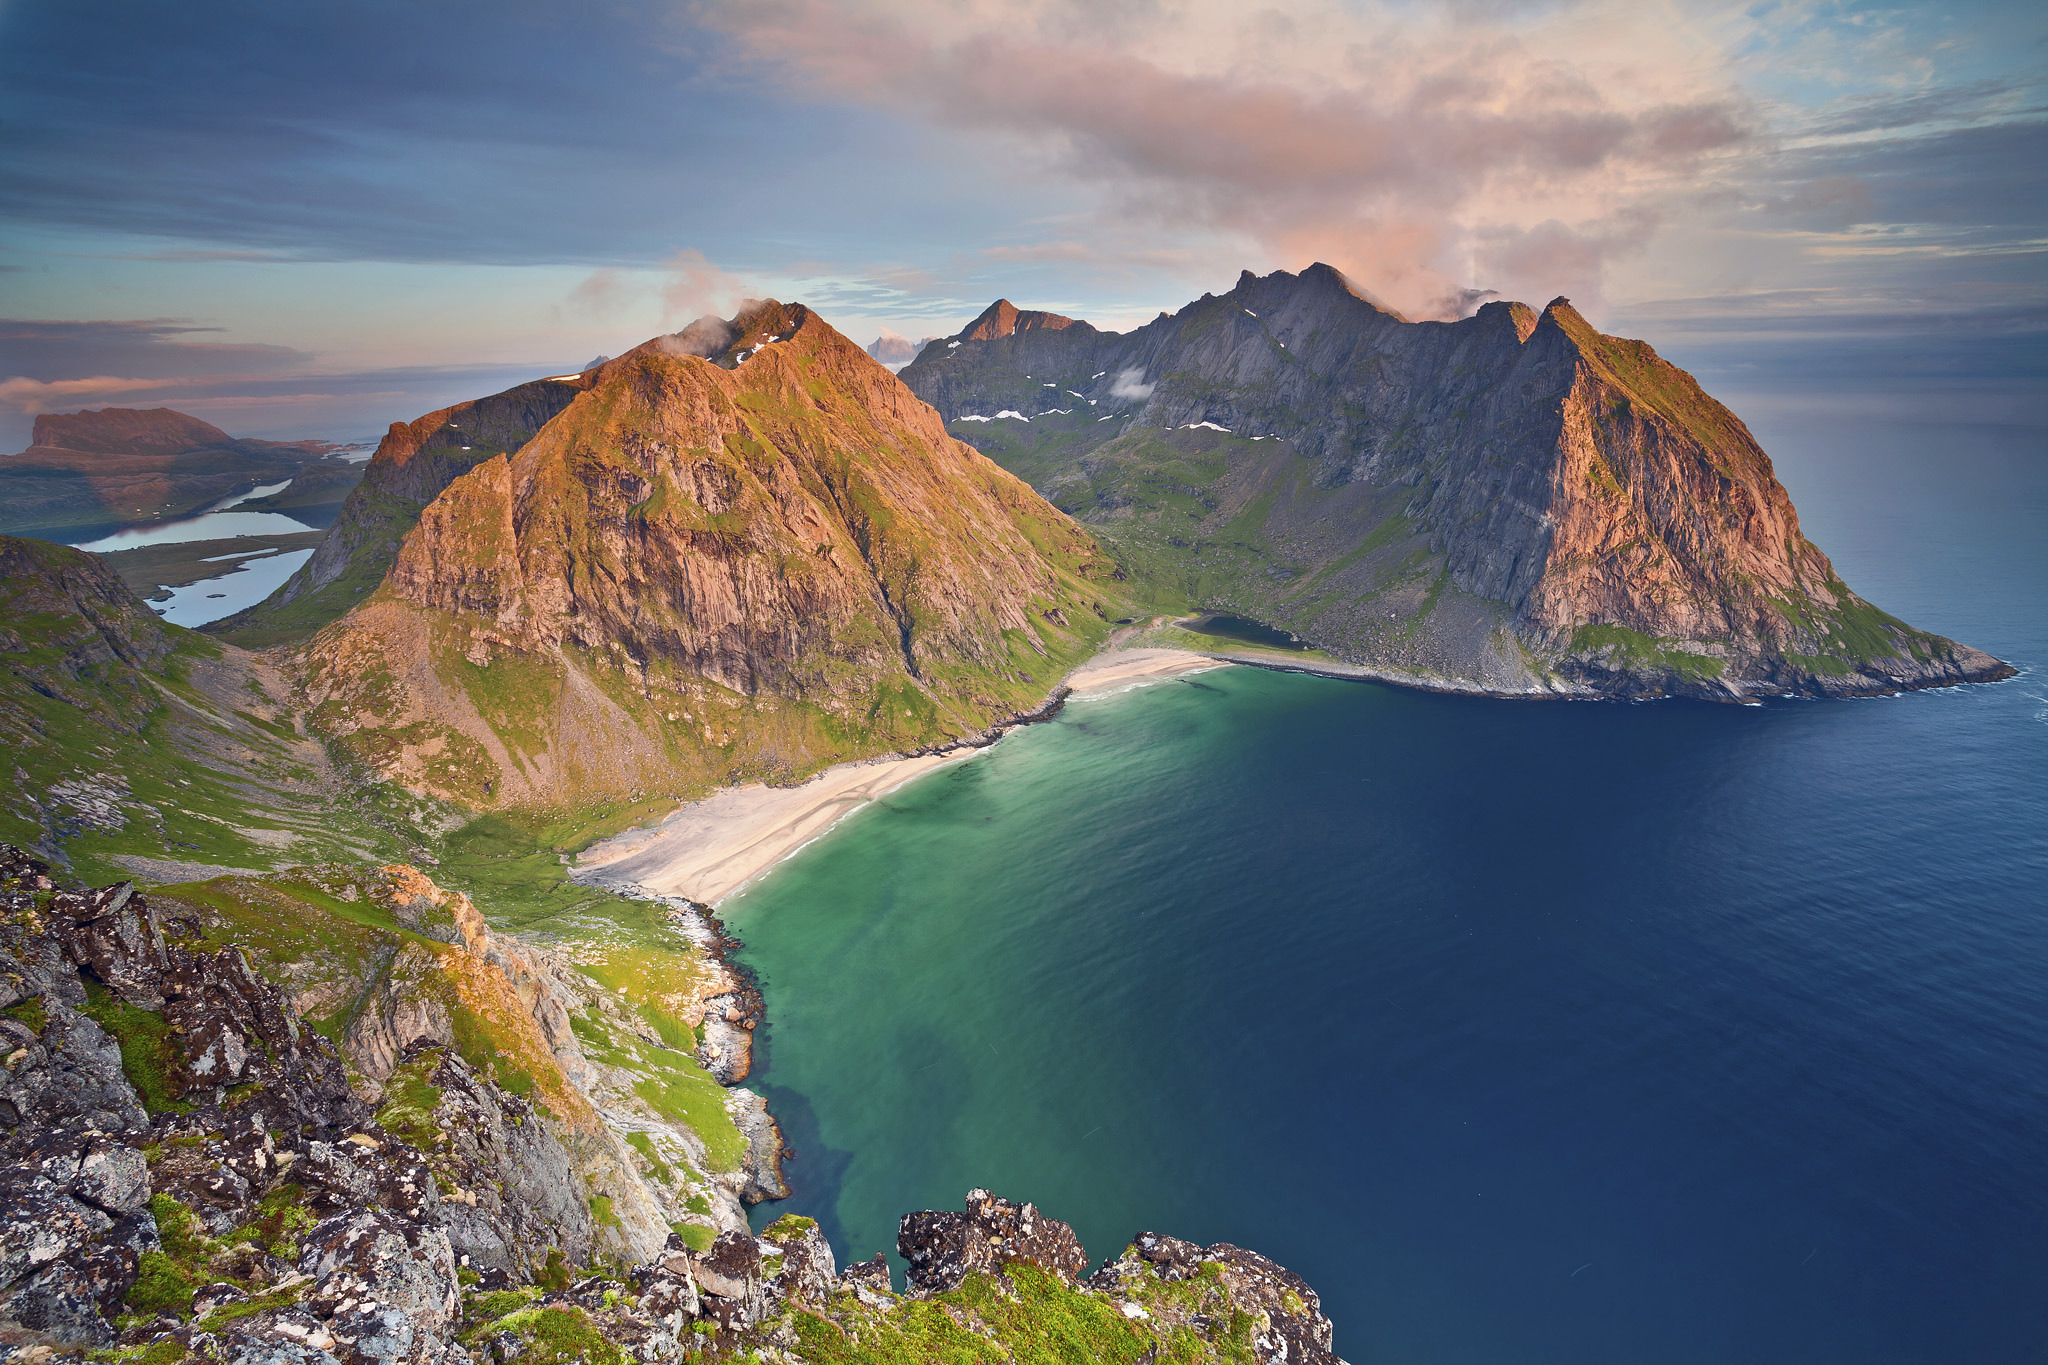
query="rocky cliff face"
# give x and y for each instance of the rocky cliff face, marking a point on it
(757, 562)
(189, 1176)
(1580, 513)
(412, 465)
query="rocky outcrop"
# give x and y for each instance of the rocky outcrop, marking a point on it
(1513, 500)
(759, 562)
(945, 1248)
(412, 465)
(186, 1176)
(595, 1063)
(1289, 1319)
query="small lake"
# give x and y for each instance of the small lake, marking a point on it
(1246, 630)
(212, 598)
(216, 523)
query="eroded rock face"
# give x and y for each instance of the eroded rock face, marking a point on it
(943, 1248)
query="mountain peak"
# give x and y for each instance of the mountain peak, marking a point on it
(1003, 318)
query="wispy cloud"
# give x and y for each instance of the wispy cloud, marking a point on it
(1408, 150)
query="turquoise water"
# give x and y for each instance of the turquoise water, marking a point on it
(1525, 1032)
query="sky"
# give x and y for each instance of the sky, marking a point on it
(311, 221)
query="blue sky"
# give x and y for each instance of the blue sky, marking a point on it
(300, 220)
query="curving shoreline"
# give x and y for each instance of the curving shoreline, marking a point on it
(706, 850)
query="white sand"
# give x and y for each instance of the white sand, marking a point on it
(1130, 667)
(709, 849)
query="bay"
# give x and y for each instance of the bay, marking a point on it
(1524, 1031)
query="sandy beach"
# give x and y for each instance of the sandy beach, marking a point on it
(1131, 667)
(709, 849)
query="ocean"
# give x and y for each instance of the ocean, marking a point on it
(1525, 1032)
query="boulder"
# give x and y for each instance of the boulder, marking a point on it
(944, 1247)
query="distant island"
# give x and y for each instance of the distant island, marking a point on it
(88, 472)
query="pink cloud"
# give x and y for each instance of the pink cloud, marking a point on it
(1395, 148)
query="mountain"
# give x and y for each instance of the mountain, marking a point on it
(412, 465)
(745, 549)
(139, 747)
(86, 471)
(894, 350)
(1513, 502)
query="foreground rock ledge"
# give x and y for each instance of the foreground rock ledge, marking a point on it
(186, 1175)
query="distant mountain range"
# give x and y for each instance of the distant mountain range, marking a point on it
(894, 351)
(1513, 502)
(86, 471)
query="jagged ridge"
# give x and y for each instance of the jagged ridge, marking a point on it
(1575, 512)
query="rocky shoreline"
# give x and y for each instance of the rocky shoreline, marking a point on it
(192, 1174)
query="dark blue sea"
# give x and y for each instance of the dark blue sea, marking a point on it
(1575, 1033)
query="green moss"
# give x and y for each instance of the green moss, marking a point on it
(166, 1352)
(165, 1280)
(150, 1057)
(162, 1286)
(554, 1273)
(281, 1220)
(483, 1308)
(255, 1303)
(789, 1227)
(409, 1102)
(695, 1236)
(601, 1211)
(29, 1012)
(560, 1336)
(658, 1168)
(1633, 648)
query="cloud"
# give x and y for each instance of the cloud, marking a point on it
(694, 287)
(148, 348)
(602, 293)
(1390, 143)
(704, 338)
(1130, 384)
(37, 395)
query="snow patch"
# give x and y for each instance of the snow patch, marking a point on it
(563, 378)
(1249, 313)
(973, 419)
(1012, 412)
(952, 345)
(1211, 426)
